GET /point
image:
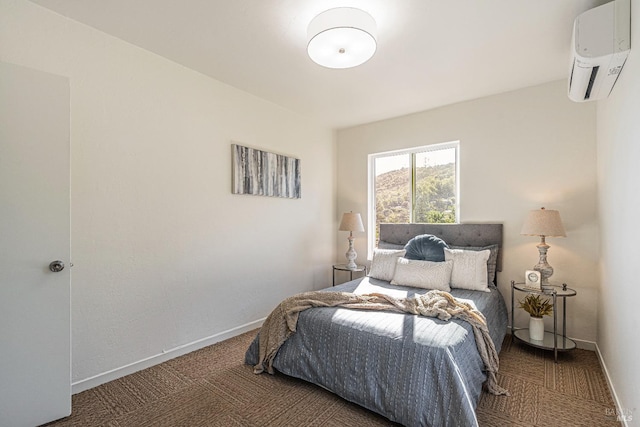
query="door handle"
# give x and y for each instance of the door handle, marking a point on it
(56, 266)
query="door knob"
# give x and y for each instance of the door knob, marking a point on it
(56, 266)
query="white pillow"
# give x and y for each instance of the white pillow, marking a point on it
(384, 262)
(423, 274)
(469, 269)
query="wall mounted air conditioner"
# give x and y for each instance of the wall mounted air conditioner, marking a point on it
(599, 47)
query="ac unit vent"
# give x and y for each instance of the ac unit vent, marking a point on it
(600, 45)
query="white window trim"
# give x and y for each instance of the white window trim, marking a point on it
(371, 202)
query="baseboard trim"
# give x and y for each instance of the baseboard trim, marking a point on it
(96, 380)
(585, 345)
(620, 413)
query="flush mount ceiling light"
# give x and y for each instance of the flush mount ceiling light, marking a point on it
(341, 38)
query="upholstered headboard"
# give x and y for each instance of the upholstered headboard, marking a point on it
(396, 235)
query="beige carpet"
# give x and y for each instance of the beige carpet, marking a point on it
(212, 387)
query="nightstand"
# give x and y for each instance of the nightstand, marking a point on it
(552, 340)
(343, 267)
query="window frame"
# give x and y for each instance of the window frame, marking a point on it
(371, 199)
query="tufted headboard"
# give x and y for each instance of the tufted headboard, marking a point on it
(397, 235)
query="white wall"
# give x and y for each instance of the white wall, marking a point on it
(519, 150)
(164, 254)
(618, 178)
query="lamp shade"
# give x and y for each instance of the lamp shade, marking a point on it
(351, 222)
(543, 222)
(343, 37)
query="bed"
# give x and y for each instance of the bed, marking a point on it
(414, 370)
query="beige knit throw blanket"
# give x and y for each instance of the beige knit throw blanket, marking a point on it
(282, 321)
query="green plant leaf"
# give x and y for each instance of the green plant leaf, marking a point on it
(536, 306)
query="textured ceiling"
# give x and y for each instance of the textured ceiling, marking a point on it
(430, 52)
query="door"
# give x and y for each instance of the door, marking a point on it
(35, 332)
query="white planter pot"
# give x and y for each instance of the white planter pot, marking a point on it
(536, 328)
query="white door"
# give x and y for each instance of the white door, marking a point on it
(35, 319)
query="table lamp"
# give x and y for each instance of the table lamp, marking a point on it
(544, 223)
(351, 222)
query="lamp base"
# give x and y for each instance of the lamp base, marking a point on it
(543, 266)
(545, 273)
(351, 255)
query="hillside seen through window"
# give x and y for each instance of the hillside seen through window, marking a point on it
(418, 185)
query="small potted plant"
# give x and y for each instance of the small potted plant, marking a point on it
(537, 308)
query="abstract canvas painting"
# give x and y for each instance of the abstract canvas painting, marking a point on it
(262, 173)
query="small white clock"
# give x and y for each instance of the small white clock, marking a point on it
(532, 279)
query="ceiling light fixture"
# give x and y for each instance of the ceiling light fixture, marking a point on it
(344, 37)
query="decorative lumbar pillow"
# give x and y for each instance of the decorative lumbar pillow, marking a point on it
(469, 269)
(384, 263)
(426, 247)
(492, 262)
(423, 274)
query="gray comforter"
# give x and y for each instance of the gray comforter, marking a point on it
(418, 371)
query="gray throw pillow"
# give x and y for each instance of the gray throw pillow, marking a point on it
(426, 247)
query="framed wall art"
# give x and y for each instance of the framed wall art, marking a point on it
(262, 173)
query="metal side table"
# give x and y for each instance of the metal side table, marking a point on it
(552, 340)
(343, 267)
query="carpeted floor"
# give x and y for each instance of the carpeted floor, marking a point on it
(212, 387)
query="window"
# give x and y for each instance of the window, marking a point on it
(414, 185)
